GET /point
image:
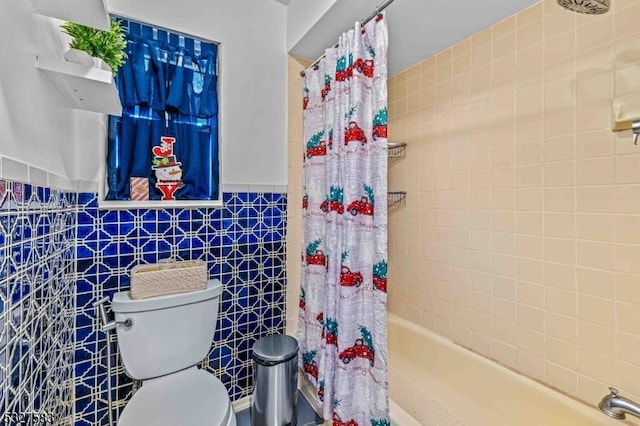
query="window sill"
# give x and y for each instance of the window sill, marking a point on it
(177, 204)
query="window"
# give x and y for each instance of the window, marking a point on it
(164, 148)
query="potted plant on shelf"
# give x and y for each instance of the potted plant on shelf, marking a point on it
(88, 43)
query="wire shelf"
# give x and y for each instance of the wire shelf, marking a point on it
(397, 149)
(396, 198)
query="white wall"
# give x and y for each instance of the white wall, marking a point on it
(302, 15)
(36, 130)
(311, 30)
(253, 70)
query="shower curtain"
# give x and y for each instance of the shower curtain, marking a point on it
(342, 322)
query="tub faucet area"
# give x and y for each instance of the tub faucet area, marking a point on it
(617, 406)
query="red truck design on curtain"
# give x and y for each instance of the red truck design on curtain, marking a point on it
(337, 421)
(305, 99)
(363, 348)
(380, 124)
(302, 303)
(334, 201)
(354, 133)
(327, 87)
(364, 66)
(329, 329)
(350, 279)
(309, 363)
(344, 68)
(315, 256)
(316, 146)
(380, 276)
(365, 205)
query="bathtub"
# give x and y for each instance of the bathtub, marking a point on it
(435, 382)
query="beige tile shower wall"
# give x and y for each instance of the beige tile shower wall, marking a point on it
(294, 194)
(521, 234)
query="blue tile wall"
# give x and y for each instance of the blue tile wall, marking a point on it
(37, 300)
(59, 253)
(243, 245)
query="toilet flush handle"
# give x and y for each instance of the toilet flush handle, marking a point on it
(107, 325)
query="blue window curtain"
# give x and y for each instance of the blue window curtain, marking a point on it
(168, 88)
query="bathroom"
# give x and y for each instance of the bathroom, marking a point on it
(516, 244)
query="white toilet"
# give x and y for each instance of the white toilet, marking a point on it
(161, 340)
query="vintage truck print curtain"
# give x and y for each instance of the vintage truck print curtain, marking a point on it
(342, 322)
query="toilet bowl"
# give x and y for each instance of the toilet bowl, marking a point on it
(161, 341)
(189, 397)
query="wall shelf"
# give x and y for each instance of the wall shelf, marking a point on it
(397, 149)
(396, 198)
(91, 13)
(82, 87)
(86, 87)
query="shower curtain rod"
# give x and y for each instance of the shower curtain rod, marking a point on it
(369, 17)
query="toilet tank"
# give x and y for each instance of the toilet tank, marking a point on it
(168, 333)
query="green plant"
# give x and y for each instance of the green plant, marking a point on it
(106, 45)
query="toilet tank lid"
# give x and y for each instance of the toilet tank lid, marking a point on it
(122, 301)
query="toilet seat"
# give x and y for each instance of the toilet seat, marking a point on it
(191, 397)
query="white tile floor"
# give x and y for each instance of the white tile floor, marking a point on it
(306, 415)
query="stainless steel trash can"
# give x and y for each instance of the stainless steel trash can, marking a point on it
(275, 381)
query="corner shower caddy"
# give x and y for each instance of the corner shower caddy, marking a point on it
(396, 151)
(80, 86)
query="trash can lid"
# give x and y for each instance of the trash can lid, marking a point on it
(275, 348)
